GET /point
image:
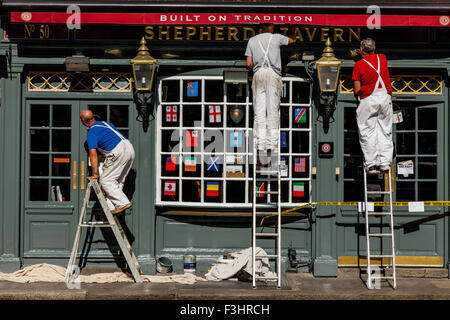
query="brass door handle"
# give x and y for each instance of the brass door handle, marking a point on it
(83, 177)
(74, 177)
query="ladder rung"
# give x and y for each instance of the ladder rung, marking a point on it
(380, 256)
(266, 234)
(266, 192)
(267, 278)
(381, 277)
(267, 256)
(378, 192)
(267, 205)
(95, 224)
(266, 213)
(380, 234)
(379, 213)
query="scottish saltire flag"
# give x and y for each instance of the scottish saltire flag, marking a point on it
(190, 164)
(259, 188)
(300, 115)
(192, 89)
(171, 113)
(300, 164)
(283, 141)
(214, 114)
(212, 189)
(235, 139)
(299, 189)
(170, 163)
(170, 188)
(213, 164)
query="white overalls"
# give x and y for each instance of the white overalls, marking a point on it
(115, 169)
(266, 87)
(374, 118)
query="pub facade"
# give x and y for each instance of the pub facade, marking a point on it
(191, 183)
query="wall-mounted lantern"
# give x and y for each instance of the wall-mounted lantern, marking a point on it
(328, 67)
(144, 71)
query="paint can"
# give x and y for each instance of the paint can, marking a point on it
(163, 265)
(189, 263)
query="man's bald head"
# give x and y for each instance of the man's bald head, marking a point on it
(87, 117)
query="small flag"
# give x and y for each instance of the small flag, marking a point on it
(300, 115)
(283, 141)
(299, 189)
(170, 163)
(214, 114)
(190, 164)
(235, 139)
(192, 138)
(170, 188)
(171, 113)
(212, 189)
(300, 164)
(260, 188)
(213, 164)
(192, 89)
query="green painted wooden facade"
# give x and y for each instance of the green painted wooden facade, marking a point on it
(42, 231)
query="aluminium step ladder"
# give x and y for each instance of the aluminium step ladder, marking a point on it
(112, 223)
(265, 176)
(391, 257)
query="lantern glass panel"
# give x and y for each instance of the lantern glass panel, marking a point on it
(328, 77)
(143, 75)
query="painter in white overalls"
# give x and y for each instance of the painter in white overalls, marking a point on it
(115, 169)
(119, 156)
(374, 117)
(263, 56)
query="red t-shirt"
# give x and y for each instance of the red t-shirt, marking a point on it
(364, 73)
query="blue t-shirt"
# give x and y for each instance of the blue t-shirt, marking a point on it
(100, 136)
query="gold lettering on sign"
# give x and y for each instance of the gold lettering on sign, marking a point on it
(338, 32)
(310, 36)
(232, 33)
(324, 34)
(219, 34)
(178, 33)
(357, 35)
(228, 33)
(149, 34)
(248, 30)
(190, 32)
(207, 33)
(166, 33)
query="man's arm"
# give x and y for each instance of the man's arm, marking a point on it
(94, 163)
(291, 34)
(249, 62)
(357, 87)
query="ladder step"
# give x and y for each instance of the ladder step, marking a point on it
(266, 192)
(382, 277)
(380, 234)
(266, 234)
(268, 256)
(381, 256)
(267, 278)
(378, 192)
(95, 224)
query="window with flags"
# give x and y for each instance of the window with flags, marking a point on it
(204, 142)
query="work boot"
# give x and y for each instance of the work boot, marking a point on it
(372, 170)
(117, 210)
(384, 167)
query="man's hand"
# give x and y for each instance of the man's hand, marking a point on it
(249, 62)
(93, 177)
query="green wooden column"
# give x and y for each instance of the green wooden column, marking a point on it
(10, 146)
(324, 233)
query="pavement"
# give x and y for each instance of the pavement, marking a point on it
(412, 284)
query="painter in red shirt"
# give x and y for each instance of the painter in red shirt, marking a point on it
(371, 83)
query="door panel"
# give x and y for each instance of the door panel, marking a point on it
(419, 236)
